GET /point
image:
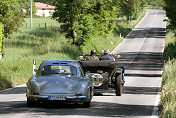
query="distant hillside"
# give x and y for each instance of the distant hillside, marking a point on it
(50, 2)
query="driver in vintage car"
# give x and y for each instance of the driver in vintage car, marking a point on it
(93, 55)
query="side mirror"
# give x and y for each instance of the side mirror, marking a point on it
(35, 70)
(81, 58)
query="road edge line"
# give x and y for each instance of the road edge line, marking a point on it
(155, 112)
(129, 33)
(22, 85)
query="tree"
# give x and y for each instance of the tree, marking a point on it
(73, 16)
(25, 4)
(170, 12)
(105, 15)
(81, 19)
(131, 7)
(11, 16)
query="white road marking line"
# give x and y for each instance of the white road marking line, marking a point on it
(23, 85)
(129, 33)
(157, 102)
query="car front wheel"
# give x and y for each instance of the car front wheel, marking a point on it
(86, 104)
(30, 103)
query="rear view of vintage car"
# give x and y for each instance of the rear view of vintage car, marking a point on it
(105, 74)
(59, 81)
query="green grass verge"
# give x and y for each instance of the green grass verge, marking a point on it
(168, 94)
(42, 44)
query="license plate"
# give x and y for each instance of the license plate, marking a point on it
(56, 98)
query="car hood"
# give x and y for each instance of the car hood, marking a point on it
(57, 84)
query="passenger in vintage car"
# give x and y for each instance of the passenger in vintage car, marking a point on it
(107, 56)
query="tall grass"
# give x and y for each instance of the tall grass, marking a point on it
(168, 94)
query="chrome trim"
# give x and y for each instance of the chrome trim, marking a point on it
(38, 96)
(67, 97)
(76, 97)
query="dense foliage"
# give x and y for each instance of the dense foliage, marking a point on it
(131, 8)
(154, 2)
(10, 16)
(1, 35)
(82, 19)
(170, 12)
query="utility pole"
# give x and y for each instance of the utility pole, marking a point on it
(31, 12)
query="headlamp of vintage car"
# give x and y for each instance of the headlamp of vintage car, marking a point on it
(33, 87)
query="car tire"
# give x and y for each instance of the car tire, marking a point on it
(30, 103)
(118, 85)
(86, 104)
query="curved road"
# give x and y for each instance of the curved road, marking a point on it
(141, 54)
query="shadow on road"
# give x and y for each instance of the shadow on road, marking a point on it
(141, 90)
(97, 109)
(156, 32)
(148, 61)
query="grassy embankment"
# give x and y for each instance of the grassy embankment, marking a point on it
(41, 44)
(168, 94)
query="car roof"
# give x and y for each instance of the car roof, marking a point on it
(58, 61)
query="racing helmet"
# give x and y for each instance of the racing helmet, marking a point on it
(93, 51)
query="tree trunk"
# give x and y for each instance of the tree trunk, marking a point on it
(74, 35)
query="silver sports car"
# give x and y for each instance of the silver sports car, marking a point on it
(59, 81)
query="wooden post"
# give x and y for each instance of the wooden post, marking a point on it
(45, 26)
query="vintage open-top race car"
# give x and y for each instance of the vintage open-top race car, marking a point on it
(59, 81)
(105, 73)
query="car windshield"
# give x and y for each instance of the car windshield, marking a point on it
(58, 69)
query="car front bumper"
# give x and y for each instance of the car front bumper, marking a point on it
(40, 98)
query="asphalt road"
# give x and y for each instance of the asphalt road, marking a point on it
(141, 54)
